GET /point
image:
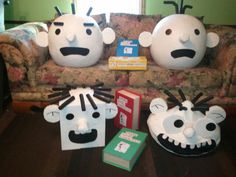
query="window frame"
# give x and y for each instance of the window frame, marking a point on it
(142, 5)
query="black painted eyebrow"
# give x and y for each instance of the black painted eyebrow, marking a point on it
(58, 23)
(88, 24)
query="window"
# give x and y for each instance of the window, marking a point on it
(108, 6)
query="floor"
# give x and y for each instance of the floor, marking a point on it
(30, 147)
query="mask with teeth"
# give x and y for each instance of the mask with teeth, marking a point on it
(190, 128)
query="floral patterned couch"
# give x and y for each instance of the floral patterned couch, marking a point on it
(32, 73)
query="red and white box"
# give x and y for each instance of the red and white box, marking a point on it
(129, 107)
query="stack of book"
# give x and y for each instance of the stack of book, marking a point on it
(127, 57)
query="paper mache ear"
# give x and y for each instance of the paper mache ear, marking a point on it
(42, 39)
(212, 39)
(158, 105)
(51, 113)
(145, 39)
(111, 110)
(108, 35)
(216, 113)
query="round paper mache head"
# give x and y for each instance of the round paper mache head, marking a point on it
(178, 41)
(188, 129)
(75, 40)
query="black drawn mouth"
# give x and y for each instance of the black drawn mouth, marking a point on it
(183, 53)
(83, 138)
(74, 51)
(186, 150)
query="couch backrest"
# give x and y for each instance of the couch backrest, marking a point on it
(130, 26)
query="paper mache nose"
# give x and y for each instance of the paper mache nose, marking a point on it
(82, 126)
(184, 38)
(70, 37)
(189, 132)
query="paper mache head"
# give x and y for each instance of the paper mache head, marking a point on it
(178, 41)
(188, 129)
(82, 113)
(74, 40)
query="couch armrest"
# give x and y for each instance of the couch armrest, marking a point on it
(20, 52)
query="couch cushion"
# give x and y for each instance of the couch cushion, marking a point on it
(130, 26)
(101, 20)
(51, 73)
(155, 76)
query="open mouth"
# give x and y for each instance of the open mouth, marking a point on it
(183, 53)
(186, 149)
(74, 51)
(83, 138)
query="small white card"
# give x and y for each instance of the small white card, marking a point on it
(122, 147)
(123, 119)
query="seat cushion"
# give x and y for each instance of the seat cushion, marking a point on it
(51, 73)
(155, 76)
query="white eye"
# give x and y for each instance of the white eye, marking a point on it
(206, 128)
(173, 124)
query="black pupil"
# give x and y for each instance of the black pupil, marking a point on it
(58, 31)
(88, 31)
(96, 115)
(69, 116)
(168, 31)
(197, 32)
(178, 123)
(210, 126)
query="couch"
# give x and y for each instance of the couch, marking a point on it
(32, 73)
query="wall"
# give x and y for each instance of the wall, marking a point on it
(2, 27)
(215, 11)
(35, 10)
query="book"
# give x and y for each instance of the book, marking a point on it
(127, 47)
(127, 63)
(129, 106)
(127, 56)
(125, 148)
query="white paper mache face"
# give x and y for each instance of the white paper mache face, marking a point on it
(75, 41)
(188, 129)
(82, 113)
(178, 41)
